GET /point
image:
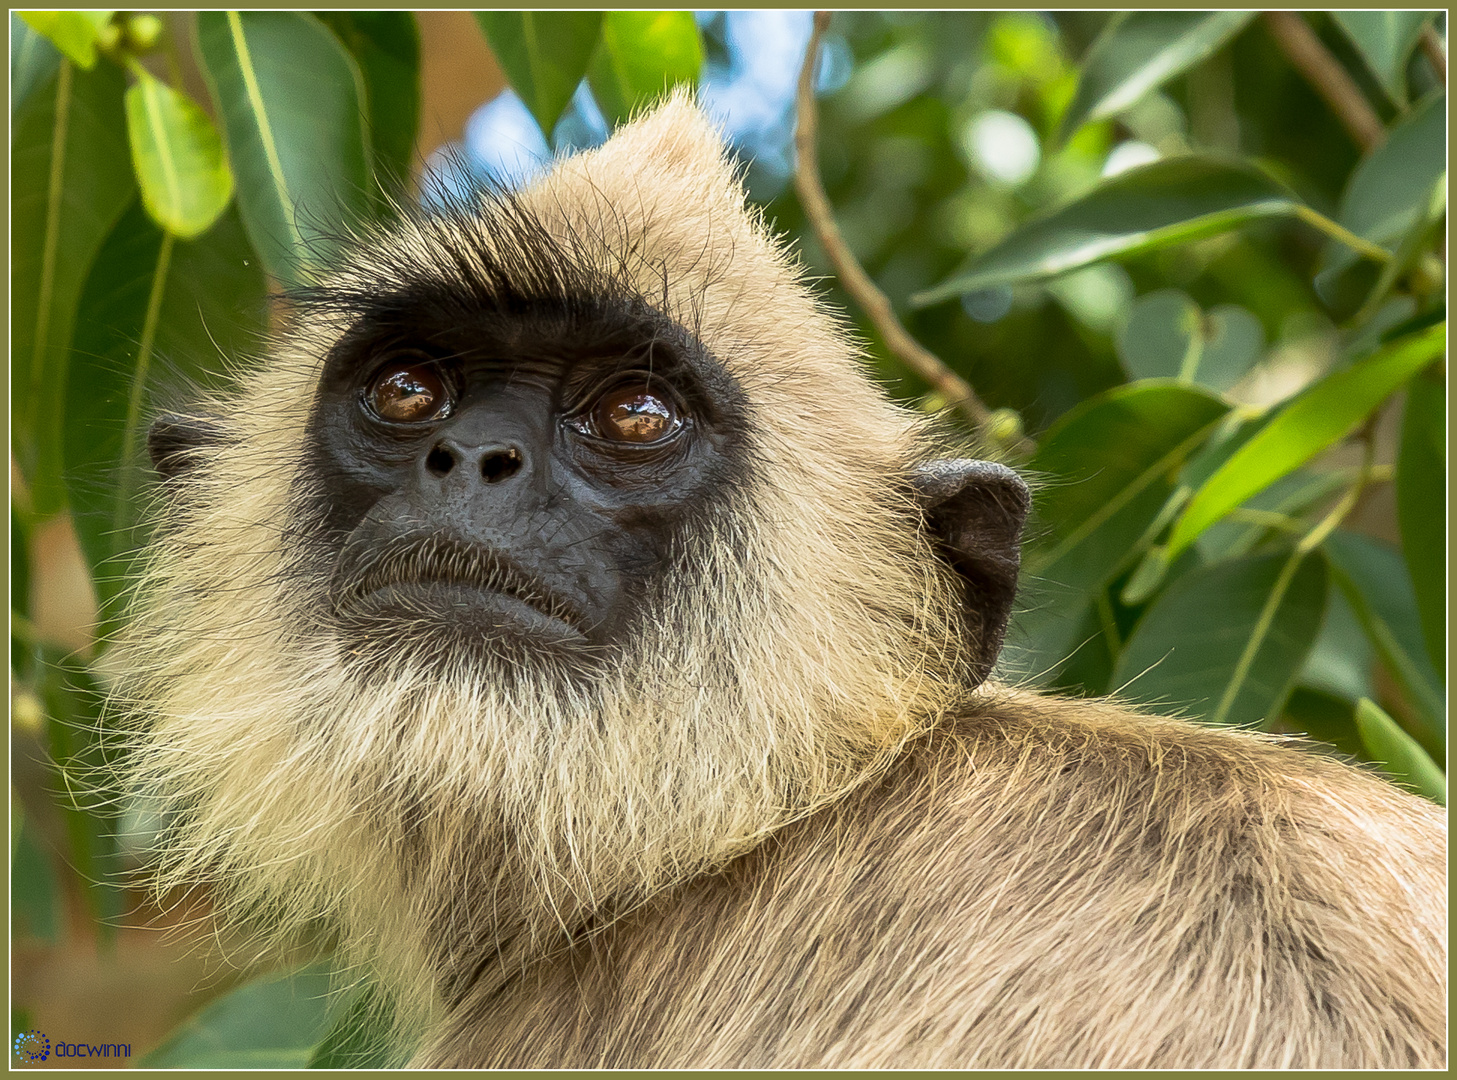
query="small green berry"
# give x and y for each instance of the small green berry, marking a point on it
(143, 31)
(1004, 426)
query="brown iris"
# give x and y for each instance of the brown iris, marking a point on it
(409, 394)
(634, 414)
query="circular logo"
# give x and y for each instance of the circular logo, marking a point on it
(31, 1046)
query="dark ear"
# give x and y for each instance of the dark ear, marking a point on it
(975, 510)
(174, 440)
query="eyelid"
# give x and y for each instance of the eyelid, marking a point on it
(402, 356)
(585, 399)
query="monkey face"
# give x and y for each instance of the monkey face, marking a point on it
(555, 424)
(512, 481)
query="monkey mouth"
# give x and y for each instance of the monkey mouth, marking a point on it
(441, 578)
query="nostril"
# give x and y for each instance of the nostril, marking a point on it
(500, 464)
(440, 461)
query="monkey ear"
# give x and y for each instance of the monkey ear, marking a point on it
(975, 510)
(174, 441)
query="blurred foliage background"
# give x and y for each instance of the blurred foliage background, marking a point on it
(1193, 265)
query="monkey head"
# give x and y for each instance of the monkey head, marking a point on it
(560, 549)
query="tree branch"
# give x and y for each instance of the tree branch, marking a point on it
(853, 277)
(1324, 72)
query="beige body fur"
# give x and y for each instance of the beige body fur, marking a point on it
(1043, 884)
(848, 856)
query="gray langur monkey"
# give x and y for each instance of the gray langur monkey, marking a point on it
(562, 617)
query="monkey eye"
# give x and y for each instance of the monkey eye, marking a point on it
(634, 414)
(409, 394)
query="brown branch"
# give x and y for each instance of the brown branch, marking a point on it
(847, 268)
(1432, 46)
(1324, 72)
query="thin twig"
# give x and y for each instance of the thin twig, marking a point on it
(1324, 72)
(852, 275)
(1432, 46)
(1354, 494)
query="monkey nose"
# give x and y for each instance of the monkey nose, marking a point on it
(492, 463)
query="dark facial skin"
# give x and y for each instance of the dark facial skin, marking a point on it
(515, 481)
(510, 446)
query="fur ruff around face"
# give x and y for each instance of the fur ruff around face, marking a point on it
(450, 829)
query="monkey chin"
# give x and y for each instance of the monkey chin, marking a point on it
(451, 624)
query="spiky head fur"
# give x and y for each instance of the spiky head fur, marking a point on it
(451, 827)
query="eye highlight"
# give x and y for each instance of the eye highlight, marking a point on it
(409, 394)
(634, 415)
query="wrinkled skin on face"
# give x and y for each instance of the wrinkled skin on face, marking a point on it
(517, 481)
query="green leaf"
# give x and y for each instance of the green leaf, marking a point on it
(1166, 202)
(1156, 337)
(19, 598)
(1242, 529)
(1421, 490)
(70, 179)
(1108, 465)
(1391, 189)
(544, 54)
(33, 60)
(1414, 249)
(1325, 718)
(1167, 336)
(1241, 425)
(74, 726)
(1140, 50)
(1374, 579)
(178, 157)
(271, 1023)
(1320, 416)
(150, 305)
(1341, 660)
(1398, 753)
(1225, 642)
(386, 46)
(35, 907)
(1084, 669)
(1113, 452)
(1385, 39)
(291, 99)
(362, 1036)
(75, 33)
(641, 55)
(1238, 427)
(19, 563)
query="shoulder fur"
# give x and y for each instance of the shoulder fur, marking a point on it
(1050, 884)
